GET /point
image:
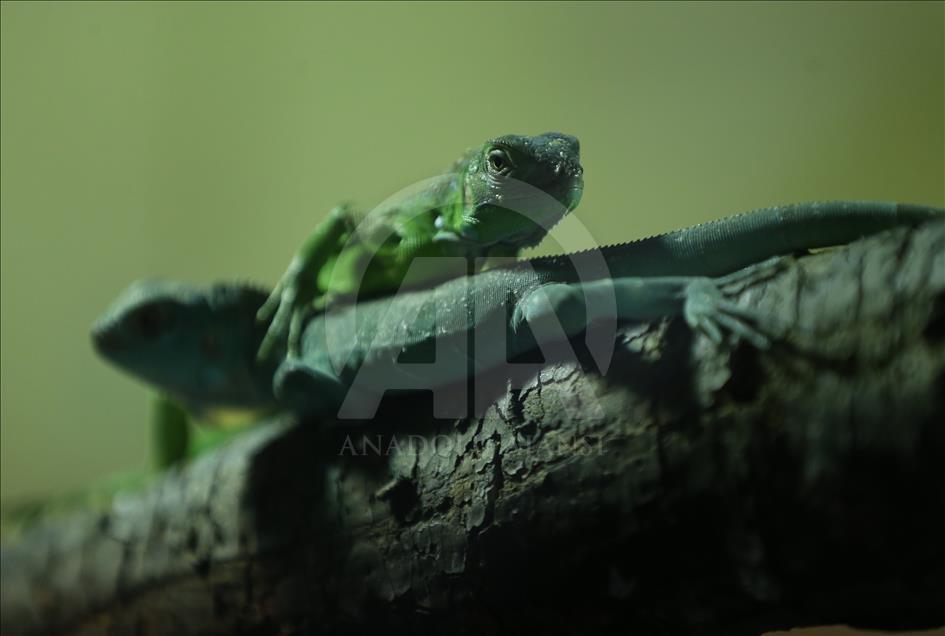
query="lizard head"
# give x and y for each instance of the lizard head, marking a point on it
(196, 345)
(515, 188)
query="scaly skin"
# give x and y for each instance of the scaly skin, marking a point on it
(659, 276)
(497, 199)
(158, 329)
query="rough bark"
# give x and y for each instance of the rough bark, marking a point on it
(691, 490)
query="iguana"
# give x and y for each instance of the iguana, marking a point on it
(496, 200)
(199, 346)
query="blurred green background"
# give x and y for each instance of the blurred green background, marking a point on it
(203, 141)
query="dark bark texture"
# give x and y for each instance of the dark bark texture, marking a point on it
(691, 489)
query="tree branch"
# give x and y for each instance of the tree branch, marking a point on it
(690, 490)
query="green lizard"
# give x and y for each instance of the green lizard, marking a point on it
(199, 346)
(174, 436)
(158, 321)
(496, 200)
(160, 331)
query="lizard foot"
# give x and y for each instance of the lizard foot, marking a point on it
(707, 310)
(287, 307)
(291, 301)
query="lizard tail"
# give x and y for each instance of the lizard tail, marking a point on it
(816, 225)
(723, 246)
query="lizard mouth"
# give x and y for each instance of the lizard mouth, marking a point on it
(573, 197)
(534, 235)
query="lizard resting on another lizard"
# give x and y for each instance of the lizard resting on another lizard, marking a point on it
(496, 200)
(199, 346)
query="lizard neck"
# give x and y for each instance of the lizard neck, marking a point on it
(455, 201)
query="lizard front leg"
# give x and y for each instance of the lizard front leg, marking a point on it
(293, 297)
(566, 309)
(170, 432)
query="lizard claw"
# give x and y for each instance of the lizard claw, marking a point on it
(707, 310)
(268, 308)
(288, 309)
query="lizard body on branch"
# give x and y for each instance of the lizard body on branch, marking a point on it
(199, 346)
(497, 199)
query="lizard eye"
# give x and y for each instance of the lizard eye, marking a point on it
(499, 161)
